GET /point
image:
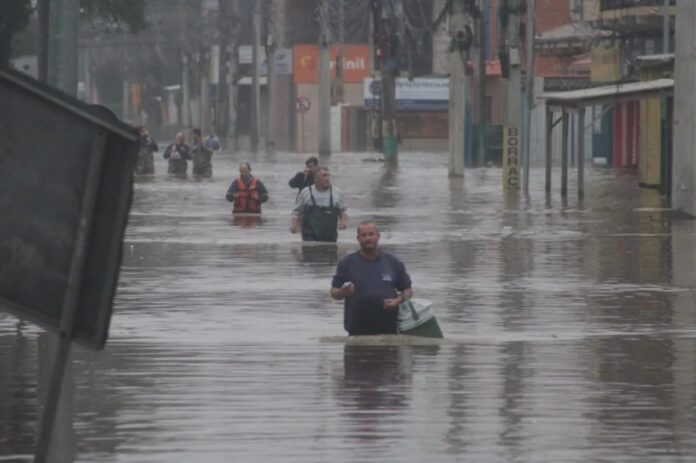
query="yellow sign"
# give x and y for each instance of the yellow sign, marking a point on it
(511, 158)
(606, 62)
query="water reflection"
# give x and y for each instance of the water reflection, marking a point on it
(374, 385)
(63, 447)
(247, 220)
(324, 254)
(17, 395)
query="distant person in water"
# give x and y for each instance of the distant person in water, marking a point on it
(372, 284)
(202, 153)
(146, 160)
(246, 192)
(305, 178)
(178, 153)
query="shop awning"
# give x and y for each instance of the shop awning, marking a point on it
(608, 94)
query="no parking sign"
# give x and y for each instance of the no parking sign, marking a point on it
(302, 104)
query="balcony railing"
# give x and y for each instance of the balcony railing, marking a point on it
(619, 4)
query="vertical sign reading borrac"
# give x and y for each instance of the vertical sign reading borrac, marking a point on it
(305, 58)
(511, 158)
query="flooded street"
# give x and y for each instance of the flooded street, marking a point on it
(570, 329)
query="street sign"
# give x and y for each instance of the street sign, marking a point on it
(302, 104)
(64, 202)
(69, 187)
(376, 87)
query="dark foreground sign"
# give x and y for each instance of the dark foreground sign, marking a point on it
(65, 190)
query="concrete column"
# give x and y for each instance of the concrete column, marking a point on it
(683, 165)
(549, 147)
(457, 96)
(581, 153)
(564, 155)
(205, 91)
(185, 91)
(256, 80)
(324, 85)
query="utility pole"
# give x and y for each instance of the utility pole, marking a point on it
(386, 54)
(232, 67)
(462, 37)
(683, 169)
(665, 27)
(205, 89)
(666, 146)
(324, 82)
(339, 81)
(527, 132)
(44, 11)
(271, 45)
(376, 118)
(482, 83)
(185, 90)
(62, 44)
(256, 80)
(224, 29)
(512, 41)
(510, 15)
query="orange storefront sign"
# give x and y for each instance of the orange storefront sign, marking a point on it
(356, 63)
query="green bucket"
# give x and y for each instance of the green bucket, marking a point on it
(417, 318)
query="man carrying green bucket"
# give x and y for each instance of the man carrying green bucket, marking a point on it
(373, 284)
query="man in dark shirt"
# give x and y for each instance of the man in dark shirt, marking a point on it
(370, 281)
(305, 178)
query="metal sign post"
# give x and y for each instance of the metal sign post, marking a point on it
(67, 322)
(302, 105)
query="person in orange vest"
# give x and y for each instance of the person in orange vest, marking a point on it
(246, 192)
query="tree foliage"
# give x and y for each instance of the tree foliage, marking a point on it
(15, 14)
(130, 13)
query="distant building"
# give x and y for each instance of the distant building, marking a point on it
(634, 29)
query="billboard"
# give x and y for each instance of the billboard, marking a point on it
(356, 63)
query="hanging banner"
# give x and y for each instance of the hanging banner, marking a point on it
(606, 62)
(511, 158)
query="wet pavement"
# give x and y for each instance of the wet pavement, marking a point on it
(570, 329)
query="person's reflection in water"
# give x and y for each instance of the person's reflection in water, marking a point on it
(324, 253)
(374, 386)
(247, 220)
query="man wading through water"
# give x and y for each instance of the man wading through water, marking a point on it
(373, 284)
(246, 192)
(319, 210)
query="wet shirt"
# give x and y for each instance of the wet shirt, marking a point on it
(374, 280)
(322, 198)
